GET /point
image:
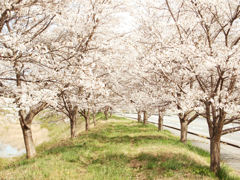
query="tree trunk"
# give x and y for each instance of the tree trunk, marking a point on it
(106, 112)
(215, 154)
(87, 117)
(73, 128)
(73, 121)
(94, 118)
(110, 112)
(184, 129)
(28, 141)
(86, 124)
(185, 119)
(145, 117)
(25, 120)
(139, 116)
(160, 122)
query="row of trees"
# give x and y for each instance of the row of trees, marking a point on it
(53, 53)
(187, 61)
(79, 57)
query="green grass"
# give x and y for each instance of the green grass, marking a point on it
(223, 174)
(114, 150)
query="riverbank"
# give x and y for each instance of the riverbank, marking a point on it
(11, 139)
(115, 149)
(11, 134)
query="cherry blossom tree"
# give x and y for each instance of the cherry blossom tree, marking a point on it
(196, 50)
(43, 44)
(206, 48)
(219, 81)
(23, 25)
(148, 64)
(79, 51)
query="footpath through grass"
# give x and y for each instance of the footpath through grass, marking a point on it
(115, 149)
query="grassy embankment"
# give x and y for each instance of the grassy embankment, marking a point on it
(115, 149)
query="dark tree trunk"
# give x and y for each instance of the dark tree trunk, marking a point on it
(110, 112)
(208, 117)
(26, 122)
(160, 122)
(86, 124)
(106, 112)
(185, 119)
(215, 154)
(215, 124)
(26, 119)
(160, 119)
(139, 116)
(145, 117)
(87, 117)
(73, 121)
(184, 129)
(73, 128)
(28, 141)
(94, 118)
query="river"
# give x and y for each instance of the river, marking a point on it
(7, 151)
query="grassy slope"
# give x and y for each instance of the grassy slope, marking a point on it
(119, 149)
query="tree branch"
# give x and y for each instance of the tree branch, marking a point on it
(230, 130)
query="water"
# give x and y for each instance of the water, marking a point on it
(7, 151)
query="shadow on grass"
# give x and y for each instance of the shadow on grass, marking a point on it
(19, 163)
(169, 164)
(147, 165)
